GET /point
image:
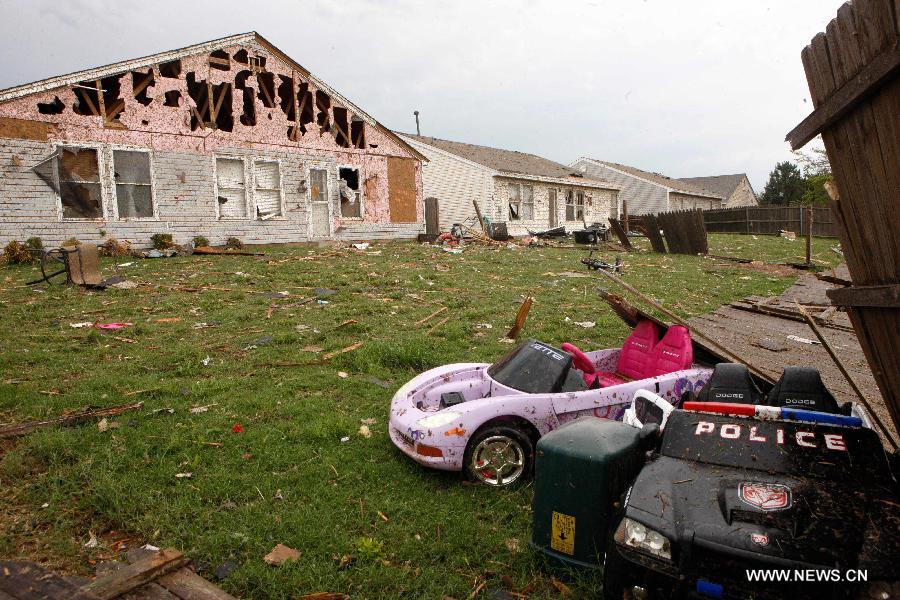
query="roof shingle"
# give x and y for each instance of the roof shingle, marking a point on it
(676, 185)
(719, 184)
(509, 161)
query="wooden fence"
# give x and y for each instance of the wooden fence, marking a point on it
(853, 72)
(764, 220)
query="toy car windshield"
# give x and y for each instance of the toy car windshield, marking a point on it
(533, 367)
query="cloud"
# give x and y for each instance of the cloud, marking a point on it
(684, 88)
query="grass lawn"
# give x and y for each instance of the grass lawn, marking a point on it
(288, 478)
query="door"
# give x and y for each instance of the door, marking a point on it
(319, 206)
(554, 216)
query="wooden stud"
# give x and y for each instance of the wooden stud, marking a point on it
(137, 574)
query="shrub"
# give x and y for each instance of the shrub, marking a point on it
(161, 241)
(34, 243)
(234, 243)
(200, 241)
(17, 253)
(115, 248)
(72, 241)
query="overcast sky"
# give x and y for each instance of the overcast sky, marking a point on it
(685, 88)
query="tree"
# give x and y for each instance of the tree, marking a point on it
(817, 172)
(786, 185)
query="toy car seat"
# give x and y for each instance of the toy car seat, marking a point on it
(674, 352)
(730, 382)
(634, 358)
(802, 387)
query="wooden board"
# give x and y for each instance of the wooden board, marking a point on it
(863, 147)
(27, 581)
(137, 574)
(402, 189)
(26, 130)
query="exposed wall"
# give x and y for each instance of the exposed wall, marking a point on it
(642, 196)
(680, 201)
(455, 182)
(742, 195)
(596, 206)
(256, 110)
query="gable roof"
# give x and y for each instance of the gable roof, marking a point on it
(719, 184)
(512, 162)
(125, 66)
(675, 185)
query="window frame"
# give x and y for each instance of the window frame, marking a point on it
(101, 163)
(281, 207)
(526, 203)
(509, 201)
(115, 188)
(218, 208)
(309, 168)
(360, 192)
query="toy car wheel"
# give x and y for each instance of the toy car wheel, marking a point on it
(499, 456)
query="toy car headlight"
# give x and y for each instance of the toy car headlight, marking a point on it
(640, 537)
(439, 420)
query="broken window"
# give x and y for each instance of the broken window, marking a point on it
(231, 193)
(213, 104)
(218, 59)
(51, 108)
(170, 69)
(267, 189)
(358, 132)
(134, 197)
(574, 205)
(351, 193)
(248, 115)
(323, 103)
(515, 202)
(78, 183)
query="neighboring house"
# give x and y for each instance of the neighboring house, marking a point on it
(524, 190)
(736, 189)
(649, 193)
(226, 138)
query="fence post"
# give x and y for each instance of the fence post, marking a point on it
(747, 218)
(809, 224)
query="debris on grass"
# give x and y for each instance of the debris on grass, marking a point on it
(202, 409)
(237, 428)
(225, 569)
(512, 544)
(186, 475)
(585, 324)
(344, 350)
(92, 541)
(562, 588)
(431, 316)
(365, 431)
(281, 554)
(70, 419)
(81, 325)
(343, 374)
(206, 361)
(344, 440)
(102, 425)
(369, 421)
(113, 325)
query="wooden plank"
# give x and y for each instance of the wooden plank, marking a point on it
(879, 296)
(617, 228)
(24, 129)
(24, 428)
(402, 191)
(187, 585)
(137, 574)
(23, 580)
(839, 104)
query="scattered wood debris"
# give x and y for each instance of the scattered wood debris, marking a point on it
(70, 419)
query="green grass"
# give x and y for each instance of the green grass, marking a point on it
(288, 478)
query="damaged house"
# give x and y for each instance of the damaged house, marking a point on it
(225, 138)
(524, 190)
(649, 193)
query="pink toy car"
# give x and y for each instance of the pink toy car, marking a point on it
(486, 419)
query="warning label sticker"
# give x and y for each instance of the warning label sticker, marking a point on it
(563, 533)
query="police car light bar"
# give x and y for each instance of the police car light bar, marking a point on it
(773, 412)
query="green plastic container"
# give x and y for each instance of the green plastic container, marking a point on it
(581, 471)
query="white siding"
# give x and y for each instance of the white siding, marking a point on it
(455, 182)
(642, 196)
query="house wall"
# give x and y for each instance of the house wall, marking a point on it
(742, 195)
(455, 182)
(596, 205)
(642, 196)
(681, 201)
(183, 154)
